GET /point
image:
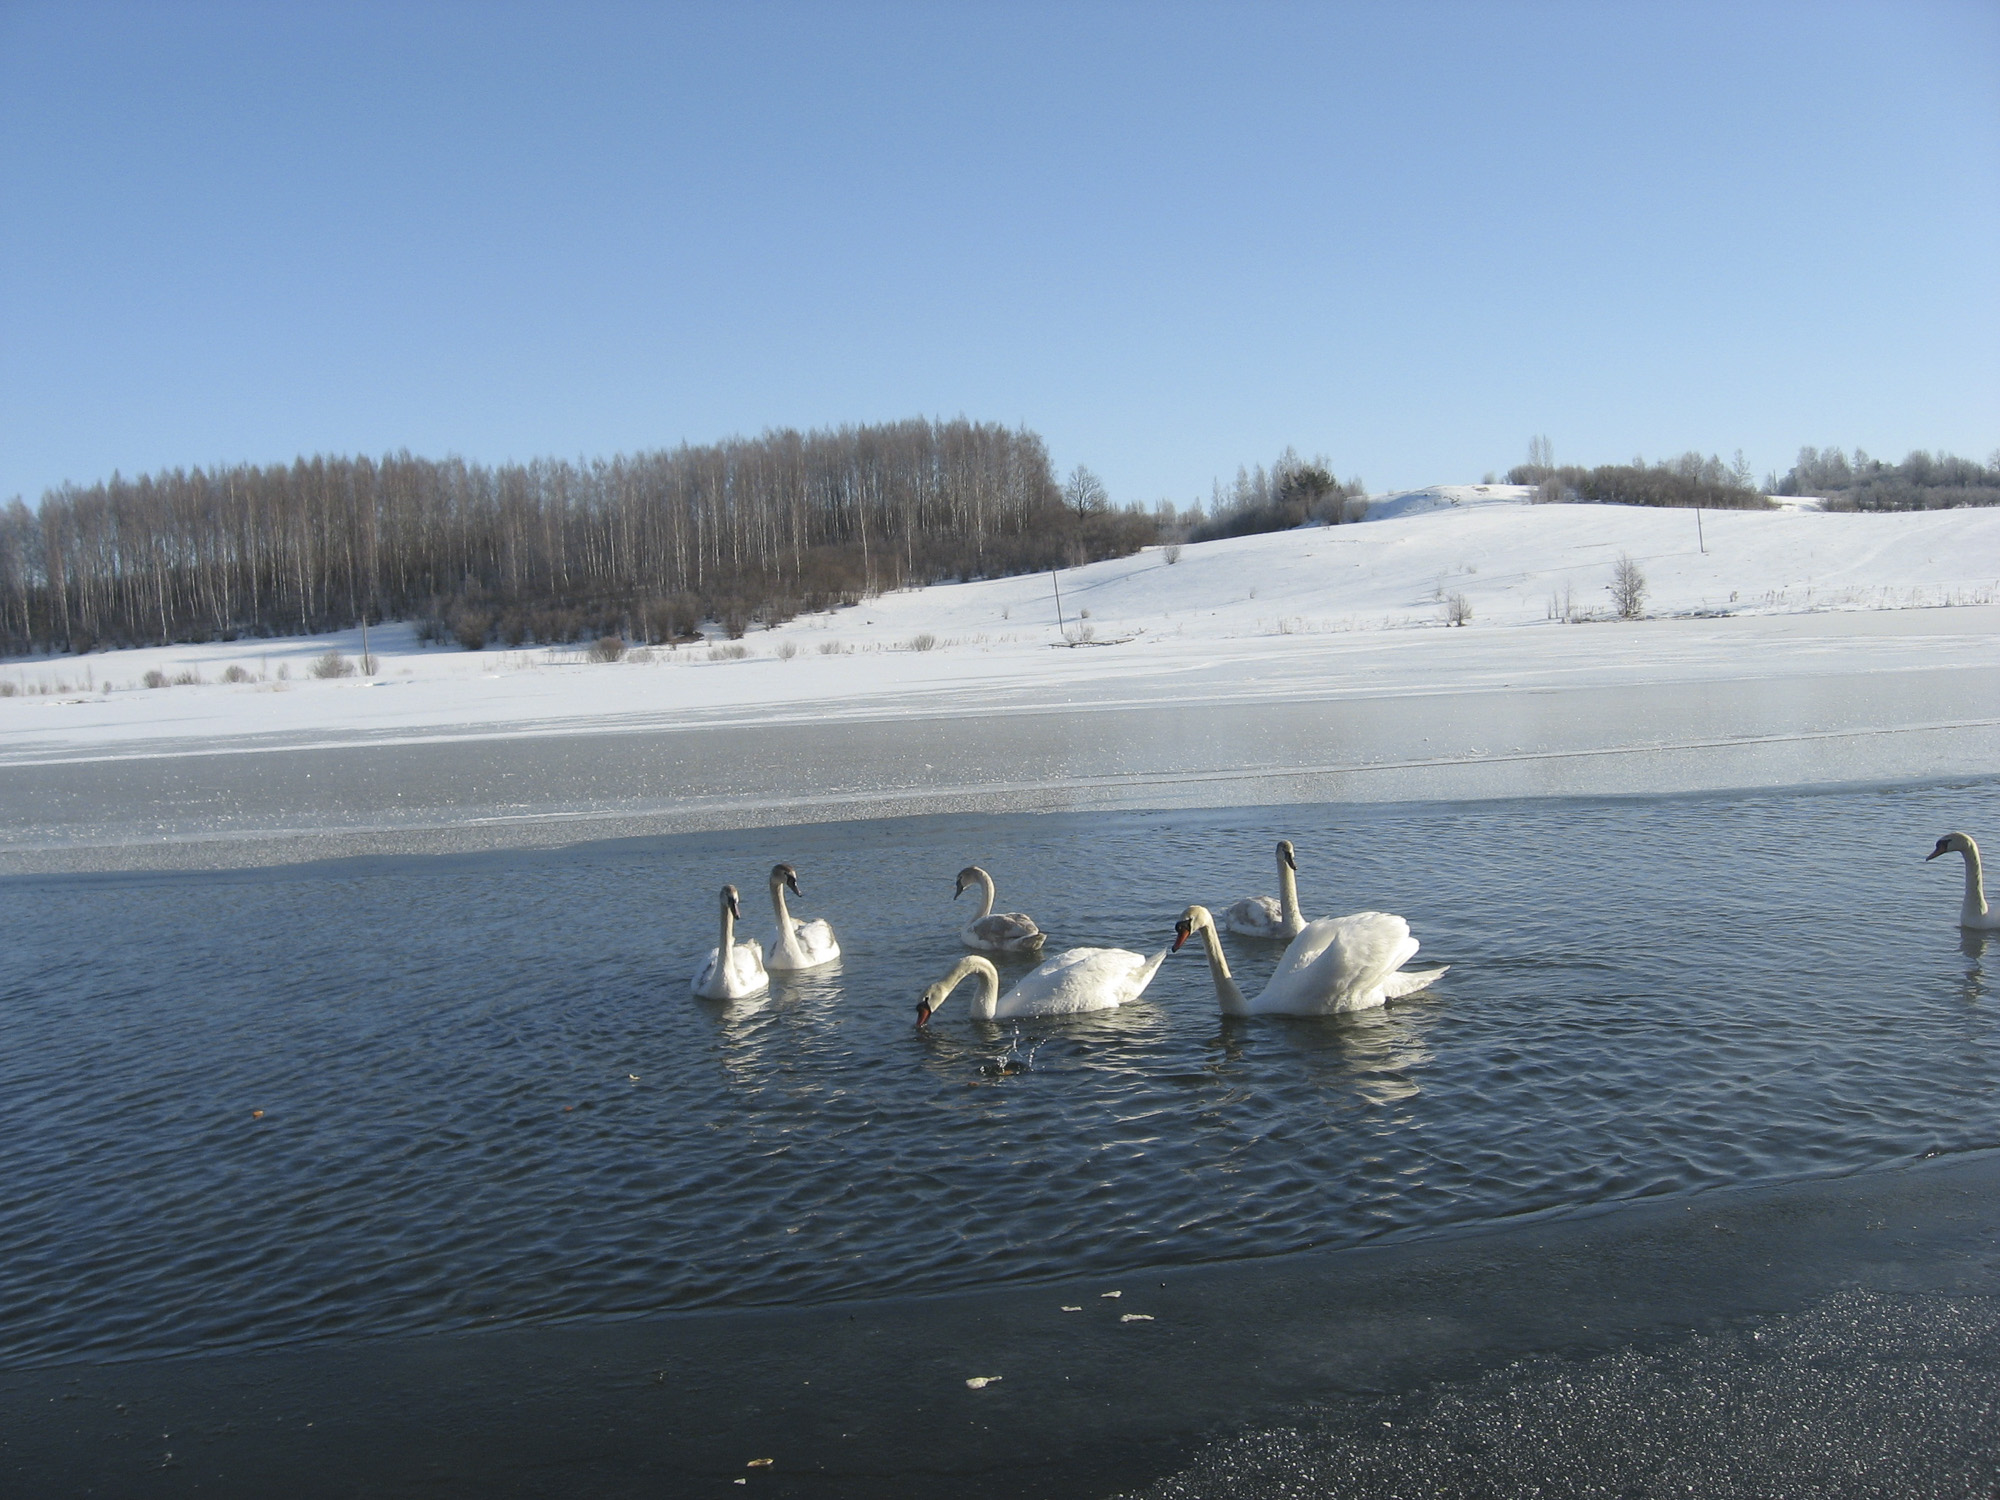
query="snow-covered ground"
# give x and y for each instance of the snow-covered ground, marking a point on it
(1325, 612)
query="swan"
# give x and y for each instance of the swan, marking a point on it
(1260, 916)
(1974, 913)
(1335, 965)
(795, 944)
(1076, 980)
(732, 970)
(996, 932)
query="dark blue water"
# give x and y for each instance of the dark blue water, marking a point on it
(488, 1099)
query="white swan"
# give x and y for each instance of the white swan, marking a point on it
(732, 970)
(1076, 980)
(996, 932)
(1974, 913)
(1338, 964)
(794, 944)
(1260, 916)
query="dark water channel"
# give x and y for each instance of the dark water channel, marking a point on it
(487, 1099)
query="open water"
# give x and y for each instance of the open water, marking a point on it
(392, 1096)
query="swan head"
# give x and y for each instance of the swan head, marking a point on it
(1285, 854)
(932, 999)
(1193, 920)
(786, 876)
(731, 902)
(1952, 843)
(970, 875)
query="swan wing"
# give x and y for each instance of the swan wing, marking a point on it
(1080, 979)
(1338, 964)
(736, 977)
(1255, 916)
(806, 946)
(1003, 932)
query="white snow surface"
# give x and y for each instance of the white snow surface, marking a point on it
(1318, 612)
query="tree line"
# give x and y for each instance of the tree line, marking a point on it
(1922, 481)
(1691, 481)
(646, 545)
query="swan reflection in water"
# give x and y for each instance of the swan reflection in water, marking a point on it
(1376, 1056)
(1972, 943)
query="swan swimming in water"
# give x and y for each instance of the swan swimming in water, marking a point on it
(733, 970)
(1336, 965)
(1262, 917)
(1074, 981)
(1974, 913)
(996, 932)
(796, 944)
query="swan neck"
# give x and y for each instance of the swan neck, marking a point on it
(986, 897)
(778, 906)
(1975, 882)
(987, 1001)
(1226, 992)
(728, 930)
(1288, 895)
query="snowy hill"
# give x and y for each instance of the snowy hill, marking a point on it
(1317, 611)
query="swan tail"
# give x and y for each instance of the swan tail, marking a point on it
(1409, 981)
(1146, 972)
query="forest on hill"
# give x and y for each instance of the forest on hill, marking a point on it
(1923, 481)
(646, 545)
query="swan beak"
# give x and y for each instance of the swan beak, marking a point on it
(1941, 849)
(1181, 931)
(923, 1013)
(959, 889)
(735, 908)
(1290, 863)
(792, 880)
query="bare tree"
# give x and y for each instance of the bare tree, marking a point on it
(1084, 493)
(1628, 588)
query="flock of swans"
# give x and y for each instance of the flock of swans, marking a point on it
(1330, 967)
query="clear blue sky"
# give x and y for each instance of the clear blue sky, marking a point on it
(1172, 239)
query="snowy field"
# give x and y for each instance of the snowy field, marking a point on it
(1328, 612)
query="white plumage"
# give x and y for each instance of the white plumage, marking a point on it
(796, 944)
(1074, 981)
(1336, 965)
(733, 970)
(1973, 912)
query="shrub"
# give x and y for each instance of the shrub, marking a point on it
(728, 653)
(1457, 610)
(187, 677)
(470, 627)
(154, 678)
(333, 664)
(606, 648)
(1628, 588)
(1171, 552)
(787, 650)
(923, 640)
(234, 673)
(831, 648)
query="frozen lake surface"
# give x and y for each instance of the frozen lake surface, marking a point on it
(488, 1101)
